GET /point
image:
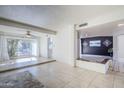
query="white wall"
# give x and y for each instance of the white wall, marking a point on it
(65, 37)
(65, 45)
(116, 58)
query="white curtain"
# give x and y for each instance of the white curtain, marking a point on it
(3, 49)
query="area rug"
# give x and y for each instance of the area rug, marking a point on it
(20, 80)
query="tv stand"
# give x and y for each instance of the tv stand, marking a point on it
(94, 66)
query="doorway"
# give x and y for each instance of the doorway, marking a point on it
(120, 52)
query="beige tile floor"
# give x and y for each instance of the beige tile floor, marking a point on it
(23, 62)
(61, 75)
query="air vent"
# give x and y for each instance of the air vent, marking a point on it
(84, 24)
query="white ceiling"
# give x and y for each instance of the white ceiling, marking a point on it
(55, 17)
(107, 29)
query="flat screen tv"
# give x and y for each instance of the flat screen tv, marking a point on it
(100, 45)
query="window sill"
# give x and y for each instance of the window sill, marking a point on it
(13, 58)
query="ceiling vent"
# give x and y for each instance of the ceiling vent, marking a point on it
(84, 24)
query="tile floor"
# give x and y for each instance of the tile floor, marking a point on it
(61, 75)
(23, 62)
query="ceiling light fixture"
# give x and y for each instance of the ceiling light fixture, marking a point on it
(119, 25)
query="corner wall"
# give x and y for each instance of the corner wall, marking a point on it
(65, 45)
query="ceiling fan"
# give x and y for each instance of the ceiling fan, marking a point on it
(29, 35)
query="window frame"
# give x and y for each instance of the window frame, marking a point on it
(29, 39)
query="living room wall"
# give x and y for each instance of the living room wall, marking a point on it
(65, 45)
(65, 37)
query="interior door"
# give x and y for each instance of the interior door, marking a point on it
(120, 44)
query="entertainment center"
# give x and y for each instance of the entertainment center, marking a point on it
(95, 53)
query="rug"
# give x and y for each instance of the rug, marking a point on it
(20, 80)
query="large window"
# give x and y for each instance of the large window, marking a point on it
(21, 47)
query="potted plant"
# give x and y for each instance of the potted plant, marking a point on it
(110, 51)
